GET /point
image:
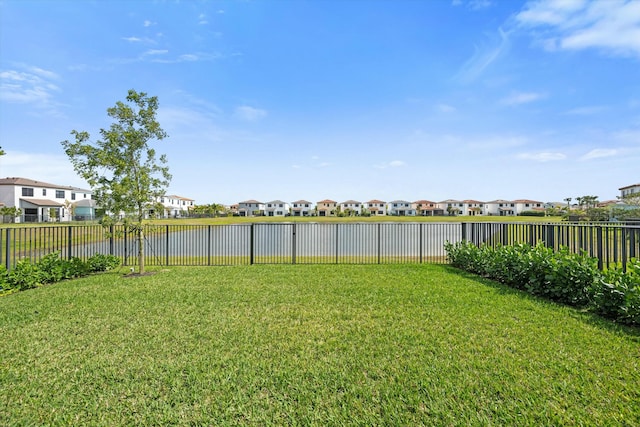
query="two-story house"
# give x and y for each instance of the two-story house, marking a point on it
(427, 208)
(351, 207)
(451, 206)
(472, 207)
(500, 208)
(401, 208)
(302, 208)
(524, 205)
(276, 208)
(629, 190)
(251, 208)
(376, 207)
(326, 207)
(176, 206)
(44, 202)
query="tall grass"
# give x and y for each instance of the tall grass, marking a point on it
(309, 345)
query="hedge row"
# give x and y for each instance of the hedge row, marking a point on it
(51, 269)
(560, 276)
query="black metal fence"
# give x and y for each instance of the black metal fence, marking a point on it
(611, 243)
(309, 243)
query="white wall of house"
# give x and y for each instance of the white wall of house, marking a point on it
(629, 189)
(500, 208)
(302, 208)
(449, 204)
(351, 205)
(176, 206)
(251, 208)
(376, 207)
(473, 208)
(276, 208)
(401, 208)
(40, 201)
(528, 205)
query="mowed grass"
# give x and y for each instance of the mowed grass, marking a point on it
(309, 345)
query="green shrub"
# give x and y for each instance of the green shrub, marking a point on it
(532, 213)
(100, 262)
(51, 268)
(617, 295)
(25, 275)
(4, 279)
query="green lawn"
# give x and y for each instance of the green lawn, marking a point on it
(309, 345)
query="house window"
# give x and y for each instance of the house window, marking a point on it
(73, 196)
(27, 192)
(59, 194)
(44, 191)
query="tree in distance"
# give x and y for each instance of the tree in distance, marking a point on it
(121, 168)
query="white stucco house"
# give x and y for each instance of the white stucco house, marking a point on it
(376, 207)
(302, 208)
(176, 206)
(251, 208)
(451, 206)
(276, 208)
(629, 189)
(525, 205)
(45, 202)
(351, 207)
(500, 207)
(401, 208)
(473, 207)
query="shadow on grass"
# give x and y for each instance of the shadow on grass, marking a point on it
(580, 313)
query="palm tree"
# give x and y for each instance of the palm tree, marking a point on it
(568, 200)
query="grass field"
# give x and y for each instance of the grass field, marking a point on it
(309, 345)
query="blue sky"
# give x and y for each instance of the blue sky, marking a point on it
(348, 99)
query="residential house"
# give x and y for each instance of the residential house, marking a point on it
(376, 207)
(524, 205)
(451, 206)
(472, 207)
(427, 208)
(326, 207)
(351, 207)
(302, 208)
(44, 202)
(401, 208)
(176, 206)
(500, 208)
(629, 190)
(251, 208)
(276, 208)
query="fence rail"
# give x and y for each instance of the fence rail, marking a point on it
(306, 243)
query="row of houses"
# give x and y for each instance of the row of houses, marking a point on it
(325, 208)
(44, 202)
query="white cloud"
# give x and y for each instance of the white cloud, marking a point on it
(148, 23)
(483, 57)
(613, 26)
(542, 156)
(586, 111)
(250, 114)
(599, 153)
(518, 98)
(446, 108)
(34, 86)
(391, 164)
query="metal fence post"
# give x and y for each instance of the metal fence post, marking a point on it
(420, 241)
(7, 247)
(111, 252)
(293, 244)
(379, 242)
(464, 230)
(69, 241)
(599, 247)
(166, 256)
(251, 246)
